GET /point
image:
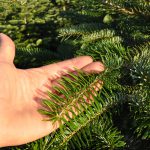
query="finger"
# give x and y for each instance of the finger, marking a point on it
(62, 68)
(92, 92)
(7, 49)
(95, 67)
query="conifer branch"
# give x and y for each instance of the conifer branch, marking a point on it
(119, 8)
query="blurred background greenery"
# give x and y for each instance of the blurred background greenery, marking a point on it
(116, 32)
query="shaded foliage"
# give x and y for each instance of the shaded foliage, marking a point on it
(115, 32)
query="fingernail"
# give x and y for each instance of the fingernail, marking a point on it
(102, 67)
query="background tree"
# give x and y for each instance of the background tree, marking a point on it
(115, 32)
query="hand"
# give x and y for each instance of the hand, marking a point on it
(21, 92)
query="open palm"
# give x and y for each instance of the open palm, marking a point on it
(21, 92)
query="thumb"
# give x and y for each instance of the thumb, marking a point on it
(7, 49)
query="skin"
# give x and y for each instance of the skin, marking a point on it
(21, 92)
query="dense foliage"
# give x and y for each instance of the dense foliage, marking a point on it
(117, 33)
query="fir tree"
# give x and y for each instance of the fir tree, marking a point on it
(115, 32)
(31, 23)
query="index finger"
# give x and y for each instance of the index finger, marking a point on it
(61, 68)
